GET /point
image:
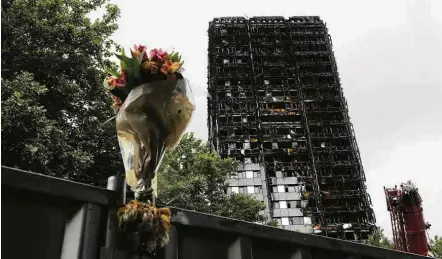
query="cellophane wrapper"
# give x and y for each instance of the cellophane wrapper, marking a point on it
(153, 118)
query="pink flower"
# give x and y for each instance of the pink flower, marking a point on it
(138, 49)
(157, 54)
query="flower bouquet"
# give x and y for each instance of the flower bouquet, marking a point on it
(153, 106)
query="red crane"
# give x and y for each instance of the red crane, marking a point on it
(407, 220)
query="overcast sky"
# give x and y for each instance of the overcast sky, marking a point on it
(389, 57)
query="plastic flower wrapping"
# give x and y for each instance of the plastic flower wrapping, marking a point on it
(153, 103)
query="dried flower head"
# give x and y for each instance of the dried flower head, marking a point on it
(145, 219)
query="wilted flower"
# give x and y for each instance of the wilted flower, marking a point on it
(148, 219)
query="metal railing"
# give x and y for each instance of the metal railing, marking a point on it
(46, 217)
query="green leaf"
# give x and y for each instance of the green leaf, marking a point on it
(17, 94)
(111, 72)
(127, 61)
(175, 57)
(122, 64)
(140, 57)
(137, 68)
(132, 65)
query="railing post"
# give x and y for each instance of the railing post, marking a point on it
(241, 249)
(302, 253)
(118, 185)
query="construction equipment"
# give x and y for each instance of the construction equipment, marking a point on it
(407, 220)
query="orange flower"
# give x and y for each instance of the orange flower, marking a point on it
(166, 68)
(170, 67)
(175, 67)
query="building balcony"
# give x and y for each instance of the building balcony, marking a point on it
(285, 196)
(283, 151)
(329, 136)
(337, 163)
(325, 110)
(283, 180)
(275, 99)
(244, 181)
(330, 150)
(240, 152)
(324, 122)
(293, 212)
(284, 125)
(286, 165)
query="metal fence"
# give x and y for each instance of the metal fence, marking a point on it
(46, 217)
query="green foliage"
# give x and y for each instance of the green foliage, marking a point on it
(175, 57)
(192, 177)
(53, 102)
(272, 223)
(380, 240)
(436, 246)
(244, 207)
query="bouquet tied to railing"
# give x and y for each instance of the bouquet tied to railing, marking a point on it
(153, 106)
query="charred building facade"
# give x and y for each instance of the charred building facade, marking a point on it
(277, 106)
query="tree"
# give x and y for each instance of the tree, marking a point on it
(193, 177)
(436, 247)
(53, 100)
(379, 239)
(272, 223)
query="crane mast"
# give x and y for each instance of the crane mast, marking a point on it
(407, 220)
